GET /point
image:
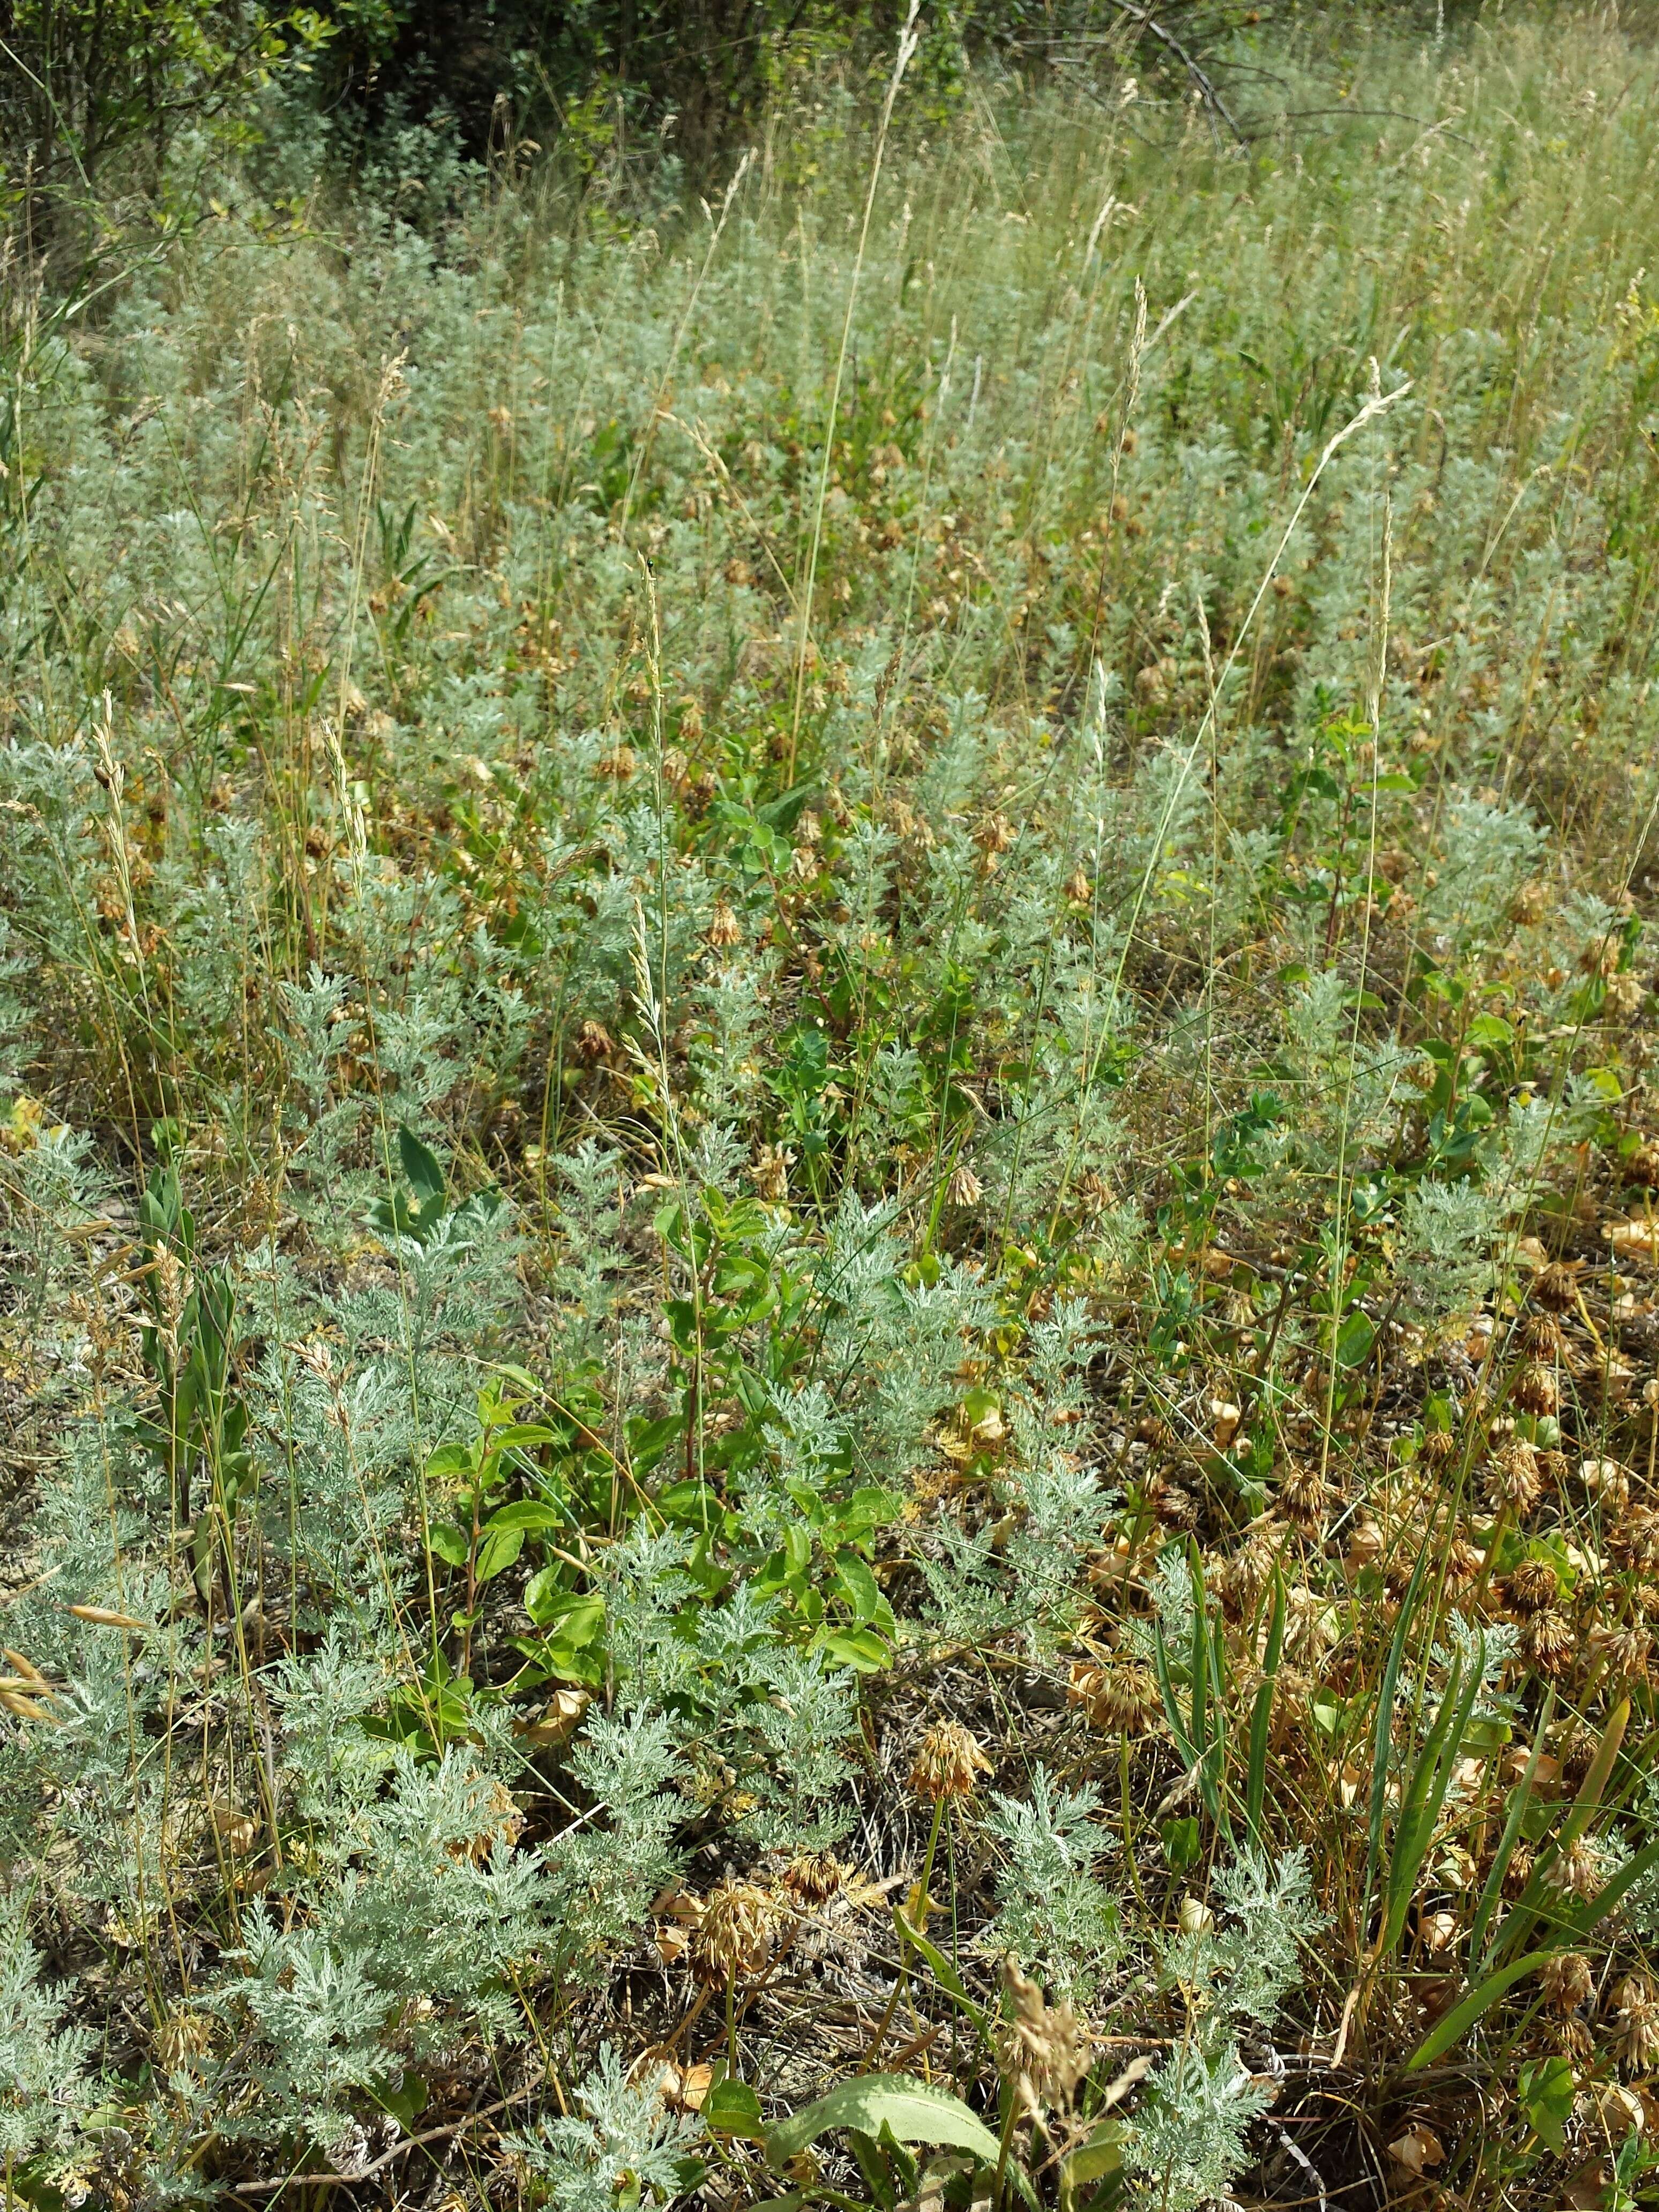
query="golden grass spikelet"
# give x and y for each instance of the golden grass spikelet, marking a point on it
(948, 1763)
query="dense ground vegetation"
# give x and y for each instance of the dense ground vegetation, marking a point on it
(827, 1165)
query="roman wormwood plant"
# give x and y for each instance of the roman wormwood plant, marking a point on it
(828, 1330)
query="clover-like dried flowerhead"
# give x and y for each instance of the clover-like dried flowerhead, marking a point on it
(1513, 1479)
(948, 1763)
(1043, 2050)
(733, 1938)
(1121, 1699)
(1548, 1642)
(1566, 1981)
(813, 1878)
(1636, 2024)
(1533, 1585)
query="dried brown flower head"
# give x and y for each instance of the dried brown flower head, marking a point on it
(733, 1937)
(966, 1188)
(813, 1878)
(770, 1173)
(1304, 1496)
(724, 928)
(1534, 1388)
(1121, 1699)
(1538, 1335)
(994, 835)
(1636, 2024)
(593, 1043)
(1532, 1586)
(1043, 2050)
(1644, 1167)
(1512, 1479)
(1629, 1652)
(1463, 1561)
(948, 1763)
(1438, 1449)
(619, 762)
(1174, 1507)
(1548, 1642)
(1518, 1873)
(1566, 1981)
(1577, 1872)
(1556, 1287)
(1093, 1190)
(1633, 1539)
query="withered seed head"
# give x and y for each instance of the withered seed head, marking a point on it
(813, 1878)
(1305, 1496)
(1637, 2025)
(1123, 1700)
(1539, 1337)
(1534, 1585)
(1566, 1981)
(948, 1763)
(1548, 1642)
(1513, 1480)
(1044, 2049)
(1534, 1388)
(1556, 1287)
(733, 1938)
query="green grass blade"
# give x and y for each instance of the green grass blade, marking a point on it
(1261, 1719)
(1500, 1866)
(1383, 1738)
(1461, 2018)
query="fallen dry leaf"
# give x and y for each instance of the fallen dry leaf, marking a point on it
(1418, 2149)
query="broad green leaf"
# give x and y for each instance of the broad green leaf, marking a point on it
(1546, 2090)
(1101, 2154)
(732, 2108)
(421, 1166)
(861, 1648)
(497, 1550)
(916, 2111)
(449, 1540)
